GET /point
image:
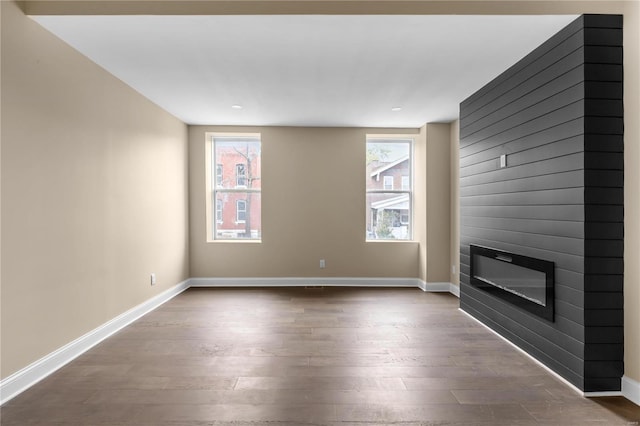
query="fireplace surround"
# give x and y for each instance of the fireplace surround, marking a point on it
(542, 175)
(523, 281)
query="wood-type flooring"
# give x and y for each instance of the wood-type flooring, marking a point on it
(307, 356)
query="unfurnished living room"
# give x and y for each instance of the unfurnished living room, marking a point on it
(309, 212)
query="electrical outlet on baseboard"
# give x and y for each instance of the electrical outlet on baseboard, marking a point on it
(153, 279)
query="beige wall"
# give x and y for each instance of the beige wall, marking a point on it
(433, 206)
(313, 208)
(94, 194)
(438, 202)
(454, 225)
(420, 202)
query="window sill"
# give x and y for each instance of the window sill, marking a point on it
(390, 241)
(239, 240)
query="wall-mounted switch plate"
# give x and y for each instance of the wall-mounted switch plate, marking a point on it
(503, 161)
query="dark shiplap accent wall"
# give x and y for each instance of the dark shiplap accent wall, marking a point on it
(557, 114)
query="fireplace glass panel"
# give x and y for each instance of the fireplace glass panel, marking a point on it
(524, 282)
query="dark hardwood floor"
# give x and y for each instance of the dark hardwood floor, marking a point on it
(332, 356)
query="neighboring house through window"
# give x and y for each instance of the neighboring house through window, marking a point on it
(241, 174)
(219, 174)
(389, 210)
(388, 182)
(219, 211)
(235, 201)
(241, 211)
(406, 183)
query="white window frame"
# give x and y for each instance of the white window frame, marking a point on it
(407, 139)
(214, 191)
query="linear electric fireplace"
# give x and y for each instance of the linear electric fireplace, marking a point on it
(523, 281)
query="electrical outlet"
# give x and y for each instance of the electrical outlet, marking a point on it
(153, 279)
(322, 264)
(453, 269)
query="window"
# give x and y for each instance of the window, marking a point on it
(388, 209)
(241, 211)
(219, 174)
(236, 201)
(219, 211)
(388, 182)
(241, 175)
(405, 183)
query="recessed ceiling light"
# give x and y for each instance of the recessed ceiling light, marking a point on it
(396, 109)
(236, 106)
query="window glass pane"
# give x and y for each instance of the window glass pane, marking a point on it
(219, 210)
(239, 161)
(240, 213)
(241, 175)
(386, 158)
(405, 183)
(388, 189)
(388, 216)
(236, 187)
(387, 182)
(219, 174)
(241, 210)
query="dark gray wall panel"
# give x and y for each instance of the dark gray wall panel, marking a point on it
(563, 132)
(552, 197)
(558, 116)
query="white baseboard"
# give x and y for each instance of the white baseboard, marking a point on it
(33, 373)
(525, 353)
(326, 282)
(454, 289)
(305, 281)
(601, 394)
(435, 287)
(631, 389)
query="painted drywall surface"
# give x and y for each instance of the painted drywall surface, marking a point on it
(438, 201)
(631, 41)
(94, 194)
(454, 229)
(420, 201)
(313, 207)
(249, 7)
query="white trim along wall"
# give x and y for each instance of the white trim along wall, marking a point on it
(32, 374)
(23, 379)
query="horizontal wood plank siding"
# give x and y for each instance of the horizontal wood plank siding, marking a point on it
(558, 117)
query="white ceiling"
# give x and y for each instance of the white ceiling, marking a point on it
(310, 70)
